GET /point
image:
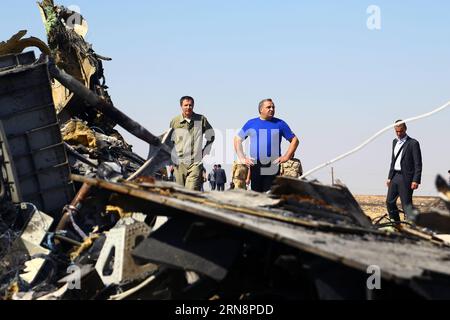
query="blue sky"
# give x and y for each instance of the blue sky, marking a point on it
(334, 81)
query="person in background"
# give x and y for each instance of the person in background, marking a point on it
(240, 175)
(293, 168)
(204, 179)
(212, 178)
(170, 173)
(221, 178)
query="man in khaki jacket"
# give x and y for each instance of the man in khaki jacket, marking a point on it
(189, 129)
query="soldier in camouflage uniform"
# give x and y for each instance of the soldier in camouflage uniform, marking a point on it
(240, 175)
(293, 168)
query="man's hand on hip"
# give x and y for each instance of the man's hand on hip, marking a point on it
(281, 160)
(249, 162)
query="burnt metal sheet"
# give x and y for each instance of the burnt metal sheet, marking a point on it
(436, 220)
(30, 128)
(185, 244)
(317, 199)
(399, 257)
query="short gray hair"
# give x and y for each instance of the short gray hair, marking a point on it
(262, 103)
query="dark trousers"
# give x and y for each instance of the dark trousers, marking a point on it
(213, 185)
(221, 187)
(399, 188)
(261, 180)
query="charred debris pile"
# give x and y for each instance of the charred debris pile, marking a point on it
(83, 217)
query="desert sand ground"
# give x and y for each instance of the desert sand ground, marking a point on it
(375, 206)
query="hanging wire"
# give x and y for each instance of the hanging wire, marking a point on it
(345, 155)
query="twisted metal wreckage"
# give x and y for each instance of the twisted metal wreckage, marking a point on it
(83, 217)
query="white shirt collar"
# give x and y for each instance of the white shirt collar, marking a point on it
(403, 140)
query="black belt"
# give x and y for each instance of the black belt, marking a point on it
(397, 172)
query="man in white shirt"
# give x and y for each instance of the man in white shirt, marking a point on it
(405, 174)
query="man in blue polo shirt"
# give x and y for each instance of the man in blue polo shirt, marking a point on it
(265, 133)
